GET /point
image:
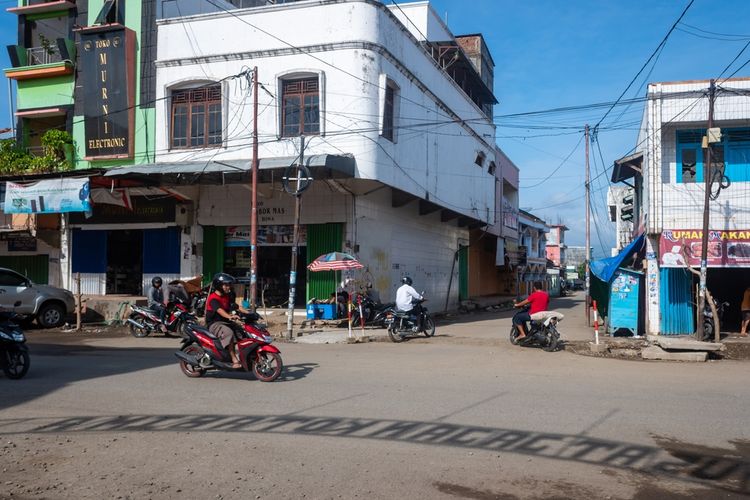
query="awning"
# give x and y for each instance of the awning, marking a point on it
(627, 167)
(604, 269)
(322, 166)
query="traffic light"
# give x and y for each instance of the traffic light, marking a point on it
(626, 212)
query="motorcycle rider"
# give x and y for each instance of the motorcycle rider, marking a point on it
(156, 302)
(405, 297)
(539, 301)
(220, 314)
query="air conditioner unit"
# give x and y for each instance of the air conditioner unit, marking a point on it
(184, 215)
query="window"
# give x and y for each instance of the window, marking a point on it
(479, 160)
(12, 279)
(492, 168)
(389, 112)
(730, 157)
(300, 107)
(196, 118)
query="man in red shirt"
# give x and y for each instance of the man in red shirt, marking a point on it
(539, 301)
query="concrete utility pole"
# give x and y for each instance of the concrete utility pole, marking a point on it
(254, 198)
(588, 232)
(707, 180)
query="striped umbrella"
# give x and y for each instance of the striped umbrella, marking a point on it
(334, 261)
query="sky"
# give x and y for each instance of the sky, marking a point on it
(558, 53)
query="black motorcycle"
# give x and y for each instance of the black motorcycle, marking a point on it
(14, 354)
(709, 326)
(541, 332)
(402, 324)
(373, 313)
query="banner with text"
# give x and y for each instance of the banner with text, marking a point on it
(239, 236)
(48, 197)
(682, 247)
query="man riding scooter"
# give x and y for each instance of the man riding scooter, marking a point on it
(539, 301)
(220, 314)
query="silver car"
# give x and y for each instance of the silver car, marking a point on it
(47, 304)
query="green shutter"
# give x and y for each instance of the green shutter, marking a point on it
(322, 239)
(463, 273)
(34, 267)
(213, 251)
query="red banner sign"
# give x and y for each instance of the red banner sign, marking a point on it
(681, 247)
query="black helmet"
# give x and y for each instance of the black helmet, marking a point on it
(406, 280)
(222, 279)
(156, 281)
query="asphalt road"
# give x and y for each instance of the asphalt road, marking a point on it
(110, 416)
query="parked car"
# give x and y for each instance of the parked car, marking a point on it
(49, 305)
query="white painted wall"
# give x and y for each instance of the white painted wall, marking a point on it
(435, 162)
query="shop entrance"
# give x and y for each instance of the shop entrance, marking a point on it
(273, 271)
(728, 285)
(124, 262)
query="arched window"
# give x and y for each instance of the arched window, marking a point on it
(300, 106)
(196, 117)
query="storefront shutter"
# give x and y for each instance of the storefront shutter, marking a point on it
(213, 251)
(321, 239)
(89, 251)
(676, 301)
(161, 251)
(34, 267)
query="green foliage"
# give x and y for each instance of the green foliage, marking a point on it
(57, 147)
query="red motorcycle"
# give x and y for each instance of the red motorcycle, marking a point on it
(142, 320)
(201, 351)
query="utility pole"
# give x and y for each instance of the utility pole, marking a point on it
(588, 232)
(707, 180)
(302, 180)
(254, 202)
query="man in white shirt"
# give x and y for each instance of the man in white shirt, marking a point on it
(405, 295)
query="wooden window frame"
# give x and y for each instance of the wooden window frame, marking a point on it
(301, 87)
(189, 99)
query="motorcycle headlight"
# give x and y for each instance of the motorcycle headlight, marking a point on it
(18, 337)
(267, 339)
(5, 336)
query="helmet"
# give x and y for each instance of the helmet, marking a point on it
(222, 279)
(156, 281)
(406, 280)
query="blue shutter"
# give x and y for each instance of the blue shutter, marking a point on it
(677, 313)
(89, 251)
(161, 251)
(737, 166)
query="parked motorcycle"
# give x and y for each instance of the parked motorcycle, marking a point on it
(14, 354)
(373, 313)
(143, 321)
(401, 324)
(709, 326)
(201, 351)
(198, 302)
(541, 332)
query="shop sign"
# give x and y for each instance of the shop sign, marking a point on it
(47, 197)
(108, 77)
(239, 236)
(273, 212)
(681, 247)
(18, 243)
(143, 211)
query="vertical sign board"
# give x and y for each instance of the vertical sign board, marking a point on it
(107, 59)
(623, 300)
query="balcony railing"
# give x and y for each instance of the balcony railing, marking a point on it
(42, 55)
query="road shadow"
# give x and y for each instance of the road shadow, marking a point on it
(727, 470)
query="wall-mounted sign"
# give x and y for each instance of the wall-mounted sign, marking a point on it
(239, 236)
(143, 211)
(678, 247)
(107, 60)
(47, 197)
(17, 243)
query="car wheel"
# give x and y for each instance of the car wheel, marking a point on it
(51, 316)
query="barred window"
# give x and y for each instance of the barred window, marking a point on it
(196, 118)
(300, 107)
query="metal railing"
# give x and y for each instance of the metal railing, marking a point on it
(42, 55)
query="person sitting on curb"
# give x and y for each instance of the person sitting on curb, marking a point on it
(539, 301)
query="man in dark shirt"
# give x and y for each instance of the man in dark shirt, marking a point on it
(539, 301)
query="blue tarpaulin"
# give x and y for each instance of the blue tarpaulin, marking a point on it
(604, 269)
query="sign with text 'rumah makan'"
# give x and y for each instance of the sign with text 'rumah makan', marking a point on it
(107, 59)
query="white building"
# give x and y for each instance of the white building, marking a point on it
(667, 173)
(398, 133)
